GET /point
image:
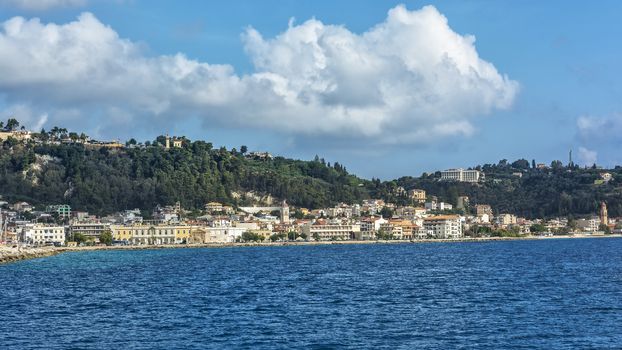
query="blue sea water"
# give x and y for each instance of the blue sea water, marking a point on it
(543, 294)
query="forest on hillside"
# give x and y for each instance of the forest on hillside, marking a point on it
(103, 180)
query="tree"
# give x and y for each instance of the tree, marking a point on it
(537, 228)
(386, 212)
(604, 228)
(106, 237)
(533, 163)
(316, 236)
(521, 164)
(251, 237)
(292, 235)
(12, 124)
(243, 149)
(79, 238)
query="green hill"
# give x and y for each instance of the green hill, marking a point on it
(57, 167)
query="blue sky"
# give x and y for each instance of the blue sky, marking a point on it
(560, 59)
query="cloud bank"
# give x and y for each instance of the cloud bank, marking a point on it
(407, 80)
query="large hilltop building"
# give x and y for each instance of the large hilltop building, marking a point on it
(462, 175)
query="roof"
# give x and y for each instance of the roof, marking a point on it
(442, 217)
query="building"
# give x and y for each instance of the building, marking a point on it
(506, 219)
(481, 209)
(151, 234)
(369, 227)
(417, 195)
(39, 234)
(62, 210)
(88, 229)
(213, 207)
(606, 177)
(284, 213)
(462, 175)
(202, 235)
(22, 207)
(588, 225)
(463, 202)
(604, 219)
(443, 226)
(324, 231)
(434, 205)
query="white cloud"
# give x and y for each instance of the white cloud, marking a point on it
(408, 79)
(593, 128)
(42, 5)
(587, 157)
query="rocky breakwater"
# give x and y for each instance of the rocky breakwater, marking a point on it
(13, 253)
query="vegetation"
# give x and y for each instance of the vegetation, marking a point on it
(106, 238)
(251, 237)
(103, 181)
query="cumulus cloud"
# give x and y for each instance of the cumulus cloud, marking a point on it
(42, 5)
(602, 136)
(591, 128)
(408, 79)
(587, 157)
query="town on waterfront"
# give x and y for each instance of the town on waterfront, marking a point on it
(420, 215)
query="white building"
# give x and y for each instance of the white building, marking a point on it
(462, 175)
(434, 205)
(588, 225)
(327, 231)
(41, 234)
(443, 226)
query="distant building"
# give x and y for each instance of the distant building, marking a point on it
(604, 219)
(462, 175)
(284, 213)
(434, 205)
(463, 202)
(417, 195)
(39, 234)
(331, 231)
(606, 177)
(213, 207)
(88, 229)
(588, 225)
(22, 207)
(481, 209)
(443, 226)
(506, 219)
(62, 210)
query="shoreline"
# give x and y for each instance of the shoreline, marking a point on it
(8, 254)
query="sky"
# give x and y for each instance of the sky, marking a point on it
(386, 88)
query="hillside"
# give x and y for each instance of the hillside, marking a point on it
(59, 167)
(108, 180)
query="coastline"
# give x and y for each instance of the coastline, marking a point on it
(9, 254)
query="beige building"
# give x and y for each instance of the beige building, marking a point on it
(151, 234)
(42, 234)
(417, 195)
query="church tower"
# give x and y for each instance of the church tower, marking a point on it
(284, 213)
(603, 214)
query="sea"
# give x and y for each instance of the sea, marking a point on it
(537, 294)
